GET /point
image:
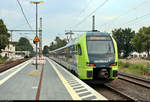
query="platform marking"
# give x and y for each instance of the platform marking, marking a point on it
(12, 74)
(73, 83)
(13, 68)
(79, 88)
(82, 92)
(86, 95)
(73, 94)
(89, 97)
(40, 84)
(98, 96)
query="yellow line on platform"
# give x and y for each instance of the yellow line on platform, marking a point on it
(73, 94)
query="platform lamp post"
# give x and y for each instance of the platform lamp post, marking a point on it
(36, 3)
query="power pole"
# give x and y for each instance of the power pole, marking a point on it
(11, 35)
(40, 37)
(11, 32)
(69, 35)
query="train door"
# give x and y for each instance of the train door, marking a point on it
(79, 60)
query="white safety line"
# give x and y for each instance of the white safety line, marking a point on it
(80, 89)
(99, 96)
(74, 83)
(83, 92)
(15, 67)
(13, 73)
(86, 96)
(73, 94)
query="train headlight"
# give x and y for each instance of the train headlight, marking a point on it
(113, 64)
(90, 64)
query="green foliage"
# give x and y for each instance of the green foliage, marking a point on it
(136, 69)
(58, 43)
(123, 38)
(45, 50)
(23, 45)
(148, 57)
(4, 35)
(126, 65)
(2, 59)
(141, 41)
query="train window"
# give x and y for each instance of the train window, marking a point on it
(79, 50)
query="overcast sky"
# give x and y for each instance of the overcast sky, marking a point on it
(61, 15)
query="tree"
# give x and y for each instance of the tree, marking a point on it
(58, 43)
(24, 45)
(4, 35)
(123, 38)
(45, 50)
(141, 41)
(52, 46)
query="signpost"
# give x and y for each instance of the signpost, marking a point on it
(36, 37)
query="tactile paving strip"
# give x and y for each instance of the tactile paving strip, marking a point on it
(84, 91)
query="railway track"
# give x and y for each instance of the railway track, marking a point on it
(10, 64)
(126, 96)
(111, 93)
(127, 87)
(135, 80)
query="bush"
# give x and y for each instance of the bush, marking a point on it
(148, 57)
(126, 65)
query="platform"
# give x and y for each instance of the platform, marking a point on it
(50, 82)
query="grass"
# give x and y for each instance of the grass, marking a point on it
(2, 60)
(135, 69)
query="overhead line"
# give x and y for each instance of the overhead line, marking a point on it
(24, 15)
(83, 10)
(136, 18)
(101, 5)
(117, 17)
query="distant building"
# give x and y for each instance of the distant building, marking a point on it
(9, 51)
(139, 55)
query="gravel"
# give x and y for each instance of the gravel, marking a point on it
(136, 91)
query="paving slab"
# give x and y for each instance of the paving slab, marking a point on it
(20, 86)
(52, 88)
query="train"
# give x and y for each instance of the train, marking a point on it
(91, 57)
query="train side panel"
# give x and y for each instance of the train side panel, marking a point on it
(83, 59)
(114, 69)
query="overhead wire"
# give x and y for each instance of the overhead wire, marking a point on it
(83, 10)
(137, 18)
(24, 14)
(127, 12)
(101, 5)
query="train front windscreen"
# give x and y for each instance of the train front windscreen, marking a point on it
(100, 49)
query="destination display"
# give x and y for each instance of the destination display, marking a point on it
(98, 38)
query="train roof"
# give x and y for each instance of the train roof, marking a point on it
(72, 42)
(76, 39)
(97, 34)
